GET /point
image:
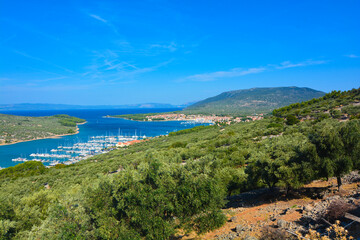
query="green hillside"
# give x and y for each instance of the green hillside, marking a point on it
(173, 184)
(337, 104)
(19, 128)
(254, 100)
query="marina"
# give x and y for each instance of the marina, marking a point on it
(79, 151)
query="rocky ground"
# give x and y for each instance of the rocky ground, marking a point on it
(256, 214)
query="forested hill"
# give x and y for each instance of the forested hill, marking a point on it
(254, 100)
(20, 128)
(337, 104)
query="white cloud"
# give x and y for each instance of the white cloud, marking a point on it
(172, 47)
(97, 17)
(237, 72)
(109, 67)
(288, 64)
(352, 56)
(105, 21)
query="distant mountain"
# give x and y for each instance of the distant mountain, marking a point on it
(44, 106)
(254, 100)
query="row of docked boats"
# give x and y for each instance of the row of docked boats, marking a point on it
(74, 153)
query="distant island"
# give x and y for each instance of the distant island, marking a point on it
(234, 106)
(45, 106)
(14, 129)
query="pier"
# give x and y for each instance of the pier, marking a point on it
(81, 150)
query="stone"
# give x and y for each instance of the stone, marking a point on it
(228, 236)
(239, 228)
(250, 238)
(282, 223)
(308, 208)
(233, 219)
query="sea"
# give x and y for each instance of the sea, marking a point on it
(97, 125)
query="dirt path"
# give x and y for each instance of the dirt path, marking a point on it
(249, 214)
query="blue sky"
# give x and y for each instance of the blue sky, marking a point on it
(123, 52)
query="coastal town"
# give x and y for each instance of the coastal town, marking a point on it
(203, 118)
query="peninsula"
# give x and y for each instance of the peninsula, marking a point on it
(14, 129)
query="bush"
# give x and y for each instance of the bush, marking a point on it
(335, 232)
(149, 200)
(335, 113)
(7, 229)
(337, 210)
(71, 131)
(275, 125)
(269, 233)
(178, 145)
(68, 121)
(209, 221)
(25, 169)
(190, 130)
(291, 120)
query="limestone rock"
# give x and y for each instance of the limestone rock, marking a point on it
(282, 223)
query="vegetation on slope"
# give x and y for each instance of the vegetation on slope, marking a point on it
(336, 105)
(18, 128)
(250, 101)
(154, 189)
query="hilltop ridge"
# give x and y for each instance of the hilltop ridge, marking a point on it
(253, 100)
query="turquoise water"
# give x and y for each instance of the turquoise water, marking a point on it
(96, 125)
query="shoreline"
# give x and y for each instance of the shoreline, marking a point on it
(173, 120)
(54, 136)
(142, 120)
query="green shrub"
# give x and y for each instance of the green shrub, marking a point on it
(25, 169)
(178, 145)
(209, 221)
(291, 120)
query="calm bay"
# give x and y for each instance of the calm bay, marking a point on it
(97, 125)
